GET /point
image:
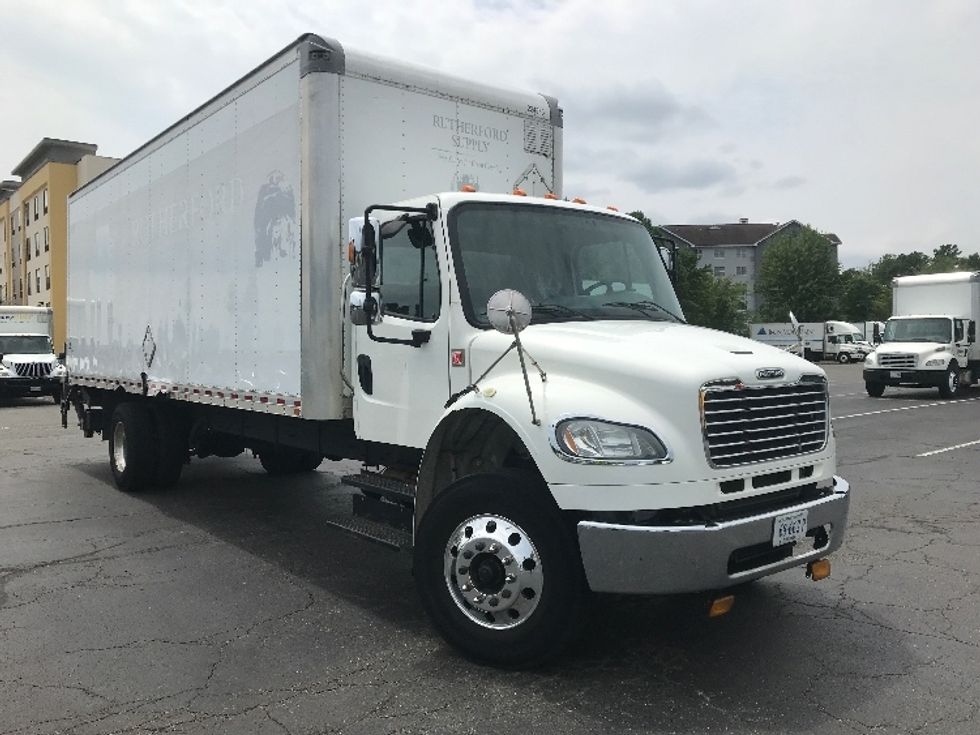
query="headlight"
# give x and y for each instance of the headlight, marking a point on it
(935, 362)
(58, 370)
(870, 359)
(591, 440)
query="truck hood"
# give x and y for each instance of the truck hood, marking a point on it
(666, 352)
(910, 348)
(10, 358)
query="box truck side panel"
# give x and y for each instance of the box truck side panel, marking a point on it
(186, 263)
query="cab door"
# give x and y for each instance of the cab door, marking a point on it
(400, 389)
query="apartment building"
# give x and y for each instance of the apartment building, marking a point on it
(34, 225)
(734, 251)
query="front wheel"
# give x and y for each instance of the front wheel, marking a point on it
(843, 358)
(950, 387)
(875, 390)
(499, 571)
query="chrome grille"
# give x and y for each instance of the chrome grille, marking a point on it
(31, 369)
(896, 360)
(743, 425)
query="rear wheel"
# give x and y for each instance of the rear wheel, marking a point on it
(132, 447)
(950, 388)
(843, 358)
(875, 390)
(499, 571)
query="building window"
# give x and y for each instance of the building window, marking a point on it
(28, 285)
(719, 270)
(47, 278)
(719, 253)
(37, 280)
(36, 210)
(700, 253)
(37, 244)
(741, 270)
(44, 199)
(27, 248)
(743, 252)
(47, 240)
(27, 215)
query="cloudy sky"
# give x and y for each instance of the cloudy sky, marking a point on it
(858, 117)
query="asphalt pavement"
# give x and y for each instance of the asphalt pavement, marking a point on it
(226, 605)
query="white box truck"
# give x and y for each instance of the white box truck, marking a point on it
(930, 340)
(28, 366)
(270, 274)
(830, 340)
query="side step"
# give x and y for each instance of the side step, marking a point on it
(374, 485)
(379, 533)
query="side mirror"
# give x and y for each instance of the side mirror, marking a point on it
(509, 311)
(364, 310)
(362, 248)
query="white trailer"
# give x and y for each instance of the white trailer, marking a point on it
(269, 274)
(930, 340)
(28, 366)
(830, 340)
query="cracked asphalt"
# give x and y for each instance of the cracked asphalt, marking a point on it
(227, 606)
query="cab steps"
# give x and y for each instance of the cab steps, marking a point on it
(383, 511)
(380, 533)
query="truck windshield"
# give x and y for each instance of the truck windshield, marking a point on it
(24, 345)
(571, 265)
(934, 329)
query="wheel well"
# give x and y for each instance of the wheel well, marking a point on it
(466, 443)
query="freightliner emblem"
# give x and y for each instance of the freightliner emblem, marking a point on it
(769, 373)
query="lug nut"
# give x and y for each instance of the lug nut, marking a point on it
(510, 578)
(494, 548)
(480, 546)
(505, 594)
(464, 570)
(467, 554)
(479, 598)
(493, 602)
(466, 587)
(507, 560)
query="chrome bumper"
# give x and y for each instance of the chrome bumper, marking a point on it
(672, 559)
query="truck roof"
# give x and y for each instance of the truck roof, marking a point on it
(452, 198)
(933, 278)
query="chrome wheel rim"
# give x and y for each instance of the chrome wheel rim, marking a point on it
(119, 447)
(493, 571)
(954, 381)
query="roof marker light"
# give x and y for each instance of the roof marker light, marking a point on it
(519, 192)
(579, 200)
(468, 189)
(611, 208)
(549, 195)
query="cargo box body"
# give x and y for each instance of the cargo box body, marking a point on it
(209, 264)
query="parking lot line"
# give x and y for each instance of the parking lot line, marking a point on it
(949, 449)
(905, 408)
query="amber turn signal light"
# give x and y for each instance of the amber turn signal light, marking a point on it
(819, 569)
(721, 606)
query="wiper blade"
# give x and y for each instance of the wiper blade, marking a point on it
(646, 306)
(561, 309)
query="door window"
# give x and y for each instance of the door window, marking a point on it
(409, 272)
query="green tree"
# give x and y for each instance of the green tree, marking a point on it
(707, 301)
(798, 273)
(862, 297)
(891, 266)
(945, 258)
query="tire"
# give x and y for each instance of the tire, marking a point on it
(171, 447)
(546, 608)
(56, 396)
(288, 461)
(875, 390)
(843, 358)
(951, 386)
(132, 447)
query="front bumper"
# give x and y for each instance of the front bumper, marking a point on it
(29, 386)
(930, 378)
(693, 558)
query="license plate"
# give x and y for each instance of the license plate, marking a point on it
(35, 389)
(789, 528)
(896, 373)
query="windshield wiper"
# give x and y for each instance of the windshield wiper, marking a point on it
(562, 310)
(646, 306)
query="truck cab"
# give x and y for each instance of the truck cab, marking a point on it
(652, 442)
(28, 366)
(923, 351)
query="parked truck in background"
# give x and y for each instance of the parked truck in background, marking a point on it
(871, 331)
(930, 340)
(830, 340)
(269, 275)
(28, 365)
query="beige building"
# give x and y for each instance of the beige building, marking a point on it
(34, 225)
